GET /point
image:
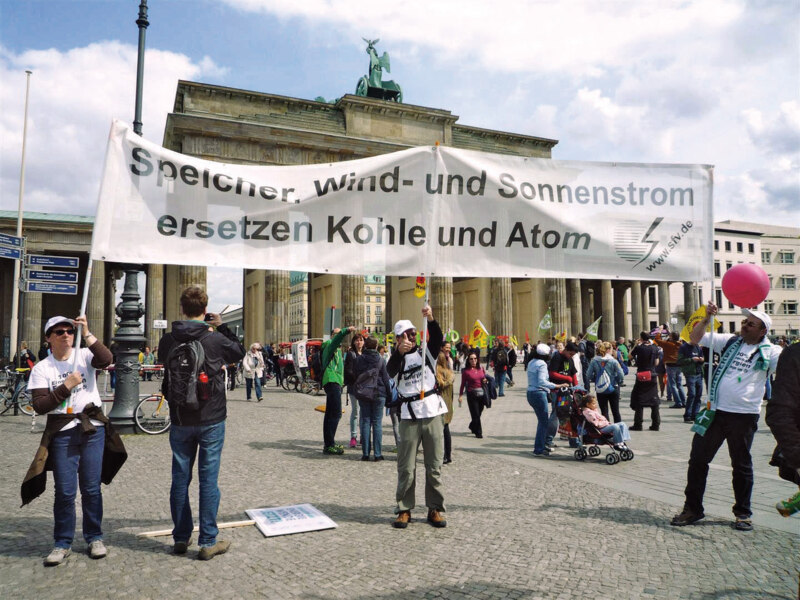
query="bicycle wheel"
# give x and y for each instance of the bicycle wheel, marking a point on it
(152, 415)
(292, 382)
(6, 401)
(24, 400)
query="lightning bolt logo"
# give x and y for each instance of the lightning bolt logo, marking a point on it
(653, 243)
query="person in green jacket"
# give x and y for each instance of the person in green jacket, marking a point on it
(332, 382)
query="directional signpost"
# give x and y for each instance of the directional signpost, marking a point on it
(14, 253)
(11, 246)
(51, 282)
(42, 260)
(45, 287)
(52, 276)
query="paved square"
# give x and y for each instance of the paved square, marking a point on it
(518, 526)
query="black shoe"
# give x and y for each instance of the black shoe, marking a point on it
(447, 460)
(677, 406)
(479, 436)
(635, 428)
(686, 420)
(687, 517)
(653, 428)
(365, 458)
(743, 524)
(379, 458)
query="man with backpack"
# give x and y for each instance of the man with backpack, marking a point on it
(499, 360)
(193, 355)
(735, 397)
(420, 419)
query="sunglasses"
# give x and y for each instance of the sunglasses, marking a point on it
(60, 332)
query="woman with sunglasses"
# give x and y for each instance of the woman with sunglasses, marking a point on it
(472, 379)
(76, 435)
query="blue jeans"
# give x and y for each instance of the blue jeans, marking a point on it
(694, 385)
(249, 384)
(674, 389)
(333, 413)
(185, 440)
(355, 423)
(552, 423)
(371, 420)
(619, 430)
(538, 401)
(500, 381)
(77, 457)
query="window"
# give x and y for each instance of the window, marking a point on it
(739, 247)
(651, 297)
(731, 326)
(765, 257)
(769, 307)
(368, 320)
(790, 307)
(728, 265)
(787, 282)
(366, 289)
(716, 268)
(727, 246)
(730, 305)
(716, 244)
(718, 297)
(786, 257)
(368, 307)
(751, 248)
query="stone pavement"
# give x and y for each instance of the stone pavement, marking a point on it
(518, 526)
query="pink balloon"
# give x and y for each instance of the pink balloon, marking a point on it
(745, 285)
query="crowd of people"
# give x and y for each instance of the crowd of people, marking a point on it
(413, 382)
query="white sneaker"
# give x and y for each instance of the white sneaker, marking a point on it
(57, 556)
(97, 549)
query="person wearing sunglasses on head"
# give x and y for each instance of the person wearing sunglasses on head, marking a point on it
(735, 397)
(79, 444)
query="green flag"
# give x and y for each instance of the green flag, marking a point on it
(591, 331)
(546, 322)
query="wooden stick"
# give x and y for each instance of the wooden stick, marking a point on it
(161, 532)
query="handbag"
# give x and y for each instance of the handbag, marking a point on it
(644, 376)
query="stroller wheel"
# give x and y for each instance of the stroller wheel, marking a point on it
(594, 451)
(612, 459)
(580, 454)
(628, 455)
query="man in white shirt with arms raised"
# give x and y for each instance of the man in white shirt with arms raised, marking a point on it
(736, 393)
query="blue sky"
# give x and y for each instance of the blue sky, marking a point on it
(706, 81)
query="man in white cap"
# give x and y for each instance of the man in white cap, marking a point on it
(420, 419)
(735, 397)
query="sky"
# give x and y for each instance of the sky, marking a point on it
(708, 81)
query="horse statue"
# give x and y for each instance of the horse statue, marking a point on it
(372, 85)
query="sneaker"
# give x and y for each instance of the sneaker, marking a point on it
(446, 460)
(677, 406)
(181, 547)
(333, 450)
(57, 556)
(353, 442)
(789, 507)
(743, 524)
(688, 420)
(402, 520)
(97, 549)
(365, 458)
(436, 518)
(687, 517)
(259, 399)
(209, 552)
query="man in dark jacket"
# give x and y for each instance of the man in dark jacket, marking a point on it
(203, 428)
(783, 418)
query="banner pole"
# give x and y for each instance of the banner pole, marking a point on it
(425, 342)
(82, 311)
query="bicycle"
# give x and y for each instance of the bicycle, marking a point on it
(152, 414)
(16, 393)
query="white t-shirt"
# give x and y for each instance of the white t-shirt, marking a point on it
(51, 373)
(414, 373)
(742, 387)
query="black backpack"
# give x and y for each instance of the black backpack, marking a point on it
(501, 358)
(365, 387)
(184, 364)
(316, 367)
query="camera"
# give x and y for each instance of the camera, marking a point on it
(209, 317)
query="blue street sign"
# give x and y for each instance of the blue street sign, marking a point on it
(52, 276)
(41, 260)
(10, 240)
(44, 287)
(6, 252)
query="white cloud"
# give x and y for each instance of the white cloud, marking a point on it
(777, 135)
(74, 95)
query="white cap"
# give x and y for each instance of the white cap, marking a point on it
(543, 350)
(403, 325)
(56, 321)
(761, 316)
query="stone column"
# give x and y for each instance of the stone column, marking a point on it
(607, 302)
(353, 301)
(663, 302)
(586, 309)
(95, 306)
(575, 305)
(32, 324)
(441, 300)
(645, 307)
(636, 308)
(555, 293)
(276, 306)
(388, 315)
(688, 300)
(154, 303)
(187, 276)
(597, 300)
(620, 310)
(500, 303)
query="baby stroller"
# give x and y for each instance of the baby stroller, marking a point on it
(588, 438)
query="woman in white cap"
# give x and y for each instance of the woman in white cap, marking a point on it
(539, 387)
(78, 443)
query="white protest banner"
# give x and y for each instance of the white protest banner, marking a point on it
(428, 210)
